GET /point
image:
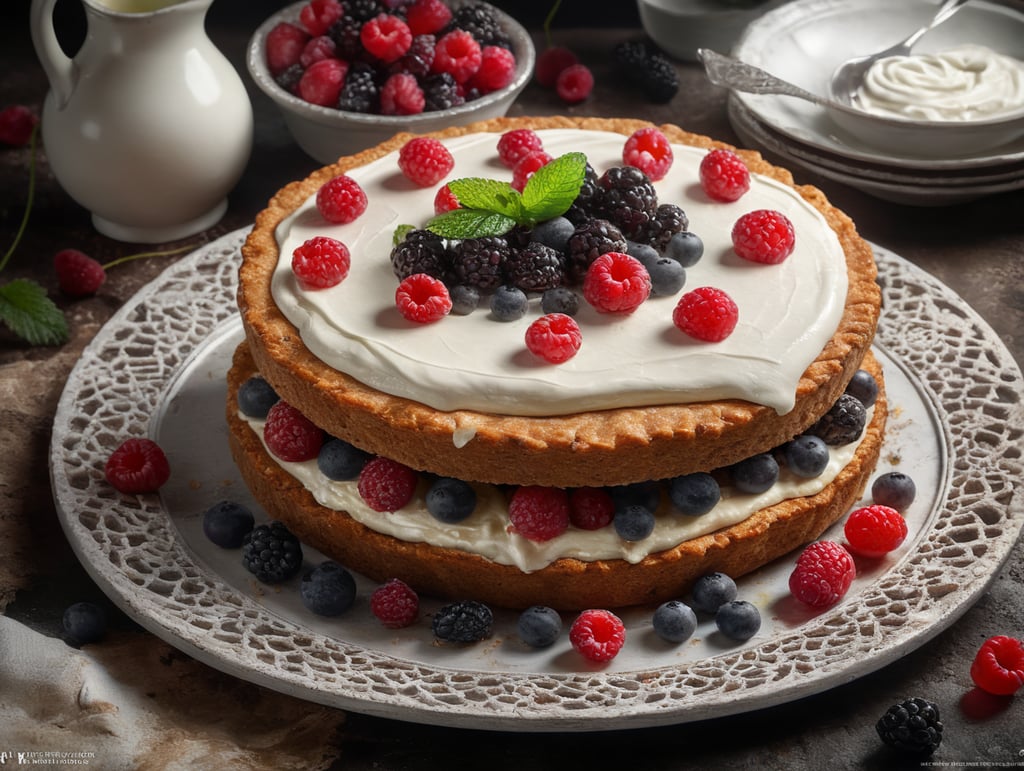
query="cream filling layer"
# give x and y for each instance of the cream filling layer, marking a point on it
(787, 312)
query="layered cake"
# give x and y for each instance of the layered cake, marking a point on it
(640, 406)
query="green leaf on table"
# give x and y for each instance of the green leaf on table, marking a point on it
(471, 223)
(554, 186)
(30, 314)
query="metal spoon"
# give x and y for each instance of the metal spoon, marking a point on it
(740, 76)
(847, 78)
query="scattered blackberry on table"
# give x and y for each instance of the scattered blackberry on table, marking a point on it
(420, 252)
(863, 386)
(539, 626)
(450, 500)
(328, 589)
(480, 262)
(646, 68)
(694, 494)
(560, 300)
(755, 474)
(226, 523)
(738, 620)
(674, 621)
(669, 219)
(634, 522)
(843, 423)
(894, 489)
(712, 590)
(256, 396)
(686, 248)
(912, 727)
(361, 93)
(84, 623)
(806, 456)
(463, 622)
(628, 200)
(441, 92)
(340, 461)
(535, 267)
(272, 553)
(508, 303)
(588, 242)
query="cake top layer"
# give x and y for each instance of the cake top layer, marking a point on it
(787, 312)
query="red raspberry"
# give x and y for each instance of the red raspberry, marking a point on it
(724, 175)
(290, 435)
(550, 63)
(340, 200)
(648, 149)
(998, 667)
(616, 283)
(386, 37)
(538, 513)
(526, 167)
(445, 200)
(320, 262)
(423, 299)
(386, 485)
(554, 337)
(425, 161)
(597, 635)
(425, 17)
(78, 274)
(516, 144)
(395, 604)
(574, 83)
(284, 46)
(322, 82)
(458, 54)
(16, 125)
(591, 508)
(137, 466)
(497, 69)
(318, 16)
(401, 95)
(321, 47)
(764, 236)
(823, 574)
(874, 531)
(707, 314)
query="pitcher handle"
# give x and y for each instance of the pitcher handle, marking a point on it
(59, 68)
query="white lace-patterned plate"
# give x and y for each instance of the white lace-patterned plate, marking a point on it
(157, 369)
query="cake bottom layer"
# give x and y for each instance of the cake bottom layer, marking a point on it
(566, 584)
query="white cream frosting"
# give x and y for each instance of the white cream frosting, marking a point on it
(787, 312)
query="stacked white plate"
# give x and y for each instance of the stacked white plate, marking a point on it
(805, 40)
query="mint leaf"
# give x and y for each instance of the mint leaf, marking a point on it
(400, 233)
(30, 314)
(554, 186)
(488, 194)
(470, 223)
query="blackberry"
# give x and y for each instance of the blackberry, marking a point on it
(669, 219)
(441, 92)
(647, 68)
(629, 54)
(628, 200)
(360, 92)
(345, 34)
(289, 78)
(271, 553)
(843, 423)
(912, 727)
(479, 262)
(582, 209)
(226, 523)
(588, 242)
(420, 252)
(535, 267)
(418, 58)
(364, 10)
(465, 621)
(479, 21)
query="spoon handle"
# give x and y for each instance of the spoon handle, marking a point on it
(732, 73)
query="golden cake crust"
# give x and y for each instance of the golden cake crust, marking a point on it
(606, 447)
(567, 584)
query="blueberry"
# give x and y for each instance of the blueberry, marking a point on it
(807, 456)
(738, 620)
(894, 489)
(84, 622)
(863, 387)
(560, 300)
(755, 474)
(843, 423)
(539, 626)
(465, 299)
(340, 461)
(451, 500)
(633, 523)
(554, 232)
(508, 303)
(694, 494)
(226, 523)
(256, 396)
(645, 253)
(713, 590)
(646, 494)
(328, 589)
(686, 248)
(667, 276)
(674, 621)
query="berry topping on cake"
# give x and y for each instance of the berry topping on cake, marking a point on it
(290, 435)
(667, 276)
(321, 262)
(590, 508)
(864, 387)
(633, 523)
(340, 461)
(911, 727)
(535, 267)
(386, 37)
(616, 283)
(395, 604)
(420, 252)
(516, 144)
(539, 626)
(712, 591)
(78, 274)
(427, 16)
(628, 200)
(998, 666)
(806, 456)
(272, 553)
(588, 242)
(328, 589)
(674, 621)
(402, 94)
(450, 500)
(669, 220)
(597, 635)
(226, 523)
(648, 149)
(465, 621)
(539, 513)
(843, 423)
(445, 200)
(694, 494)
(686, 248)
(425, 161)
(387, 485)
(423, 299)
(138, 465)
(508, 303)
(574, 83)
(554, 337)
(527, 166)
(894, 489)
(723, 175)
(823, 574)
(874, 531)
(341, 200)
(738, 620)
(458, 54)
(707, 314)
(560, 300)
(256, 396)
(764, 236)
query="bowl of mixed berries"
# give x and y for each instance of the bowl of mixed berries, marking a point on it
(348, 74)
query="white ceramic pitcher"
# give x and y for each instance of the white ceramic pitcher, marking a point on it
(148, 126)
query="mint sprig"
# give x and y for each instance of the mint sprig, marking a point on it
(490, 207)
